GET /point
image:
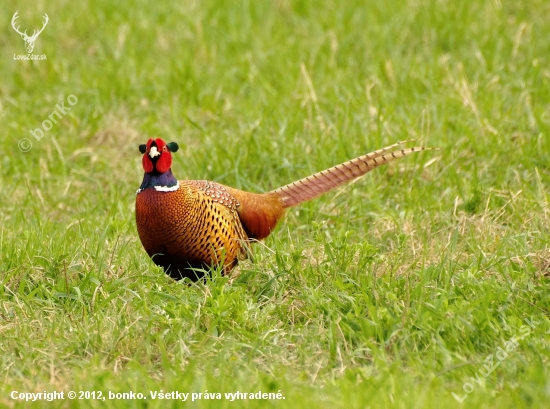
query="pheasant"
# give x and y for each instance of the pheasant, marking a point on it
(188, 226)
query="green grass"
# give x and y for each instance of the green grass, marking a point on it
(390, 292)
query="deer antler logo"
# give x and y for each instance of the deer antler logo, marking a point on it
(29, 41)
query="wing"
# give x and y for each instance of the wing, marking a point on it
(228, 206)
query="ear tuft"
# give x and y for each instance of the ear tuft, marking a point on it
(172, 146)
(143, 148)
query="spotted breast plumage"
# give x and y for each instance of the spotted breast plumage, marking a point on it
(190, 225)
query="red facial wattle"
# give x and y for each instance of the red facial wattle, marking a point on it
(147, 163)
(157, 156)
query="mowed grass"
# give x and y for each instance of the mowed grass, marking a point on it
(390, 292)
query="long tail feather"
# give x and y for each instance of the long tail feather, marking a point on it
(315, 185)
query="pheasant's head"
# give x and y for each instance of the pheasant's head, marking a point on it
(157, 156)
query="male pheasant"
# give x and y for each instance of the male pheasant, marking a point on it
(188, 226)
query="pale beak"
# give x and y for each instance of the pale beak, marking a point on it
(153, 152)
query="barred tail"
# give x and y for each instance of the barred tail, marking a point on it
(315, 185)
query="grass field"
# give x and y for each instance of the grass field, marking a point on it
(413, 287)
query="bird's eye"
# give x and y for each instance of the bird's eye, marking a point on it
(164, 149)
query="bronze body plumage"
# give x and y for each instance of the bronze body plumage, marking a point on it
(197, 224)
(190, 225)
